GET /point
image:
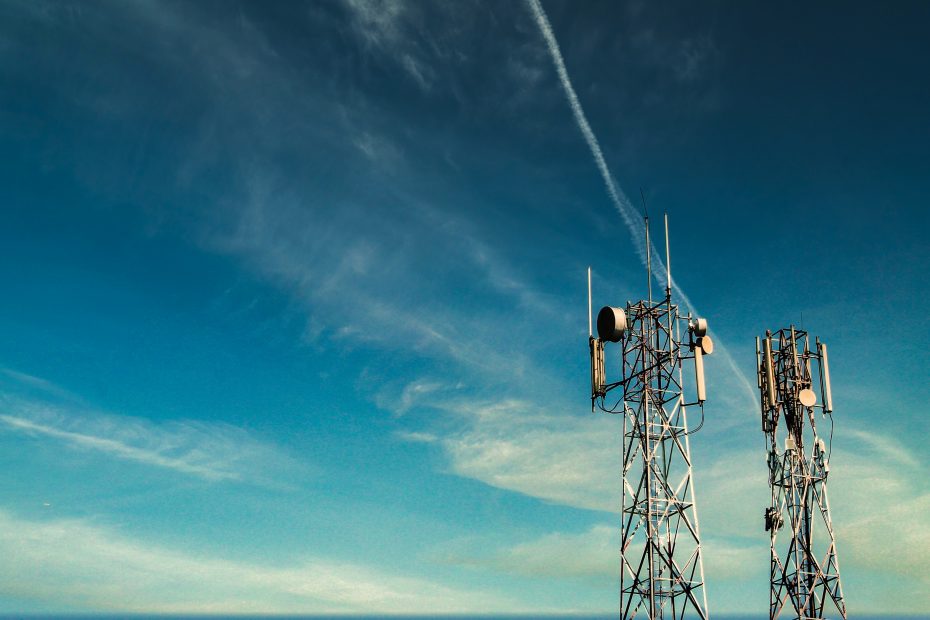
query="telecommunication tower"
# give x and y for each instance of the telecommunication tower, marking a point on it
(805, 573)
(661, 573)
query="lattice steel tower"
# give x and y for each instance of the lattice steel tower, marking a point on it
(805, 573)
(661, 573)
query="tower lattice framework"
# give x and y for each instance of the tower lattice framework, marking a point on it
(662, 573)
(794, 384)
(662, 569)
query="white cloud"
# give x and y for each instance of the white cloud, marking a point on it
(881, 514)
(417, 437)
(43, 385)
(378, 21)
(880, 510)
(211, 451)
(385, 28)
(596, 552)
(85, 566)
(515, 445)
(593, 553)
(573, 458)
(726, 560)
(416, 390)
(378, 149)
(885, 447)
(116, 448)
(375, 275)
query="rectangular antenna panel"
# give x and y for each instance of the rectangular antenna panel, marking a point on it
(598, 374)
(769, 371)
(699, 374)
(825, 368)
(758, 366)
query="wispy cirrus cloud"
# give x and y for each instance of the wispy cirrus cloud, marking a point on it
(384, 26)
(591, 553)
(38, 383)
(518, 446)
(377, 277)
(210, 451)
(91, 567)
(351, 258)
(186, 463)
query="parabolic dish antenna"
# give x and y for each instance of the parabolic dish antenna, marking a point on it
(706, 344)
(807, 397)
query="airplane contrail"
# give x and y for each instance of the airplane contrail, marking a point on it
(621, 202)
(619, 199)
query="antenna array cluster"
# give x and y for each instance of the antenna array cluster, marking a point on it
(661, 560)
(804, 571)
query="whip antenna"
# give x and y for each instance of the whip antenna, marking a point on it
(590, 326)
(668, 263)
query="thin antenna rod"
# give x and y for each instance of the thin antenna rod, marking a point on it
(590, 326)
(668, 263)
(648, 262)
(648, 246)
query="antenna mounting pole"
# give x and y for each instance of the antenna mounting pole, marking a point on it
(648, 262)
(648, 247)
(668, 264)
(590, 325)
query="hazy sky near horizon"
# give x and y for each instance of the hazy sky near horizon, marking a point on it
(295, 319)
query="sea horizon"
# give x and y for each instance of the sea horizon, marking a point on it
(336, 616)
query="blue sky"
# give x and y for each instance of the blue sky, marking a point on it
(294, 311)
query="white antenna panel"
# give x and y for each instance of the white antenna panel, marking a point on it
(769, 371)
(699, 375)
(825, 366)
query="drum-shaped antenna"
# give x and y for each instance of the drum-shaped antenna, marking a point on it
(807, 397)
(611, 323)
(699, 327)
